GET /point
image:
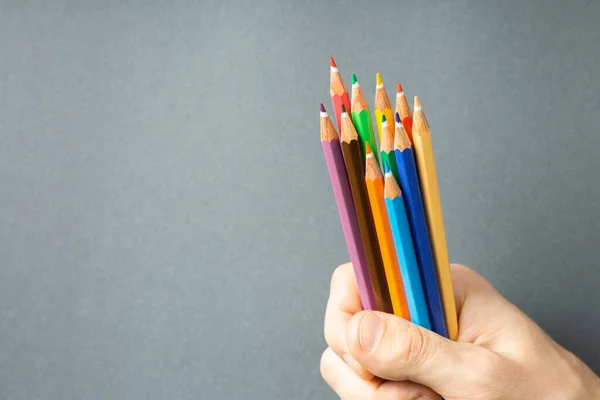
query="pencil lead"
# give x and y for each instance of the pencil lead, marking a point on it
(354, 80)
(323, 108)
(344, 109)
(386, 167)
(368, 150)
(398, 118)
(332, 62)
(378, 79)
(383, 119)
(399, 88)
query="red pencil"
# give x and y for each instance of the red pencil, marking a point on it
(403, 109)
(339, 93)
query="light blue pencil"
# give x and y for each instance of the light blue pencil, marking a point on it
(409, 269)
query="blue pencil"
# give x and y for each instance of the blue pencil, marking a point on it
(409, 183)
(405, 251)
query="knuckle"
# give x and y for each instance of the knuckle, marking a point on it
(409, 345)
(328, 372)
(324, 366)
(338, 274)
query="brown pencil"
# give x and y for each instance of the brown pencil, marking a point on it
(351, 150)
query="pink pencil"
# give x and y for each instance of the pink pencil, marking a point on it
(343, 198)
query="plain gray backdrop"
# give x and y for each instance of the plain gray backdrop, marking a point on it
(167, 225)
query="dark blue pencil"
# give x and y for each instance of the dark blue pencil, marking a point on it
(409, 183)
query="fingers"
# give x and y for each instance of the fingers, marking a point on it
(484, 315)
(395, 349)
(349, 386)
(344, 302)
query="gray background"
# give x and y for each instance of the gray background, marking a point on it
(167, 226)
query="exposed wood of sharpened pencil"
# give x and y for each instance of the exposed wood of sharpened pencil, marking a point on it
(337, 90)
(403, 109)
(361, 116)
(374, 182)
(409, 184)
(355, 169)
(345, 205)
(433, 211)
(382, 105)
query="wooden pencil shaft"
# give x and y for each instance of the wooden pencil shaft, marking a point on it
(355, 169)
(337, 102)
(390, 159)
(343, 196)
(435, 224)
(364, 128)
(407, 260)
(409, 183)
(382, 107)
(374, 182)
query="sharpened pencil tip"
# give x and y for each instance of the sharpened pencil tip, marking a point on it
(344, 109)
(379, 82)
(323, 108)
(383, 119)
(399, 88)
(386, 167)
(417, 105)
(368, 150)
(354, 80)
(332, 62)
(397, 117)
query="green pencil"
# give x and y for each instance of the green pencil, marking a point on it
(387, 147)
(361, 117)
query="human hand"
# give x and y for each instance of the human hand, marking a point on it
(500, 353)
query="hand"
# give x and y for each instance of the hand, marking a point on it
(500, 353)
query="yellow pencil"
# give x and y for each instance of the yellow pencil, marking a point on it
(433, 211)
(382, 106)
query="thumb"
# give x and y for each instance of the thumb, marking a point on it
(395, 349)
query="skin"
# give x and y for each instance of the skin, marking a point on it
(500, 353)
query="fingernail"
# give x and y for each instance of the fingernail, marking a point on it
(370, 326)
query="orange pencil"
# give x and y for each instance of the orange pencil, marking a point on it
(403, 109)
(374, 182)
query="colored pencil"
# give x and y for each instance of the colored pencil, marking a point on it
(405, 251)
(356, 177)
(403, 109)
(374, 182)
(332, 151)
(361, 116)
(387, 146)
(382, 106)
(433, 211)
(409, 183)
(337, 90)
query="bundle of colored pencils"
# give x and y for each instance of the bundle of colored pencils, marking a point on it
(389, 204)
